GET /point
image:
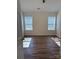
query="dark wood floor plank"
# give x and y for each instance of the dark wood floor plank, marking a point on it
(42, 48)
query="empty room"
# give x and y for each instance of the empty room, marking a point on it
(38, 29)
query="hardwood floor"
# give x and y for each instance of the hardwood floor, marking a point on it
(42, 48)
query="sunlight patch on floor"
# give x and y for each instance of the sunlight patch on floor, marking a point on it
(26, 42)
(57, 40)
(58, 43)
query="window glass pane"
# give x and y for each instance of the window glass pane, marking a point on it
(28, 23)
(28, 27)
(51, 23)
(51, 20)
(28, 20)
(51, 28)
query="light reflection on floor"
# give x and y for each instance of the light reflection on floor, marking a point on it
(57, 40)
(26, 42)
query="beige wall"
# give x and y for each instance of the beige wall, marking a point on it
(59, 24)
(40, 23)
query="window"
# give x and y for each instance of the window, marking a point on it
(28, 23)
(51, 23)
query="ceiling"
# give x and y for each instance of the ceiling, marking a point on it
(38, 5)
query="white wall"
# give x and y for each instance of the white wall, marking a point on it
(59, 24)
(19, 27)
(22, 24)
(20, 54)
(19, 24)
(40, 23)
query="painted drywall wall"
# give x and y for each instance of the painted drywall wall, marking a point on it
(40, 23)
(59, 24)
(20, 26)
(20, 54)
